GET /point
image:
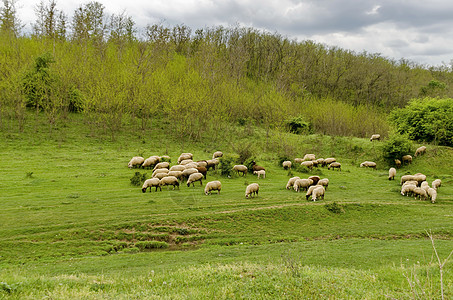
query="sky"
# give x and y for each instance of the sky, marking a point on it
(417, 30)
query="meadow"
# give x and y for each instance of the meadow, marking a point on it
(73, 226)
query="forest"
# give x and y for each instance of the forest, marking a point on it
(199, 80)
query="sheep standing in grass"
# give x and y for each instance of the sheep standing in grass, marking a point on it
(405, 178)
(421, 193)
(368, 164)
(310, 191)
(421, 150)
(392, 173)
(309, 157)
(432, 194)
(212, 186)
(255, 167)
(260, 173)
(212, 163)
(334, 165)
(217, 154)
(436, 184)
(165, 158)
(170, 180)
(406, 159)
(149, 183)
(252, 189)
(298, 160)
(151, 162)
(408, 189)
(419, 177)
(375, 137)
(425, 185)
(162, 165)
(203, 171)
(240, 168)
(308, 164)
(291, 181)
(328, 161)
(302, 184)
(202, 163)
(135, 162)
(318, 193)
(286, 164)
(324, 182)
(185, 162)
(157, 171)
(315, 179)
(195, 177)
(184, 156)
(397, 163)
(177, 174)
(177, 168)
(187, 172)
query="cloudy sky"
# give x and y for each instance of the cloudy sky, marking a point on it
(418, 30)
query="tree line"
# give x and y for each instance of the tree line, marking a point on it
(101, 67)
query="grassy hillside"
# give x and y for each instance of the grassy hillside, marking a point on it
(73, 226)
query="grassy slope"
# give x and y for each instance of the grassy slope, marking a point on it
(79, 206)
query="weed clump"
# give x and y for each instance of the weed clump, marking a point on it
(226, 166)
(138, 179)
(151, 245)
(335, 208)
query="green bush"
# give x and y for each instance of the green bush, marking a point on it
(395, 147)
(226, 165)
(426, 120)
(75, 100)
(151, 245)
(138, 179)
(298, 125)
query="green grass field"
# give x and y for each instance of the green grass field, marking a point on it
(73, 226)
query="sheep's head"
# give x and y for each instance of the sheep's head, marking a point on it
(144, 190)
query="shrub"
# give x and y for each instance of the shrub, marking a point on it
(297, 125)
(226, 165)
(245, 151)
(75, 100)
(335, 208)
(395, 147)
(138, 179)
(151, 245)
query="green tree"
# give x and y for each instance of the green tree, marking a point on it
(9, 21)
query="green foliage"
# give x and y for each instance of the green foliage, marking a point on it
(334, 207)
(434, 88)
(138, 179)
(246, 152)
(395, 147)
(142, 245)
(298, 125)
(426, 120)
(226, 165)
(75, 100)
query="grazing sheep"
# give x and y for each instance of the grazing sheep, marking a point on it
(368, 164)
(151, 161)
(375, 137)
(255, 167)
(157, 171)
(240, 168)
(195, 177)
(408, 189)
(315, 179)
(286, 164)
(162, 165)
(202, 170)
(177, 174)
(310, 191)
(406, 159)
(260, 173)
(185, 162)
(302, 184)
(320, 161)
(421, 193)
(184, 156)
(135, 161)
(217, 154)
(421, 150)
(191, 165)
(212, 163)
(328, 161)
(202, 163)
(308, 164)
(165, 158)
(212, 186)
(252, 189)
(425, 185)
(334, 165)
(392, 173)
(397, 163)
(169, 180)
(436, 184)
(432, 194)
(177, 168)
(309, 157)
(150, 183)
(187, 172)
(405, 178)
(160, 175)
(318, 193)
(298, 160)
(419, 177)
(291, 181)
(411, 182)
(324, 182)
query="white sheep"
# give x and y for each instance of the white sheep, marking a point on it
(318, 193)
(310, 191)
(286, 164)
(302, 184)
(191, 165)
(187, 172)
(217, 154)
(153, 182)
(334, 165)
(436, 184)
(298, 160)
(162, 165)
(184, 156)
(195, 177)
(212, 163)
(308, 164)
(135, 161)
(151, 161)
(421, 150)
(392, 173)
(260, 173)
(432, 194)
(320, 161)
(419, 177)
(408, 189)
(240, 168)
(309, 157)
(291, 181)
(375, 137)
(421, 193)
(160, 175)
(202, 163)
(324, 182)
(425, 185)
(185, 161)
(177, 168)
(212, 186)
(177, 174)
(405, 178)
(157, 171)
(252, 189)
(406, 159)
(169, 180)
(328, 161)
(397, 163)
(368, 164)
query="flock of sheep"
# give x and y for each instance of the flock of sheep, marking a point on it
(315, 187)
